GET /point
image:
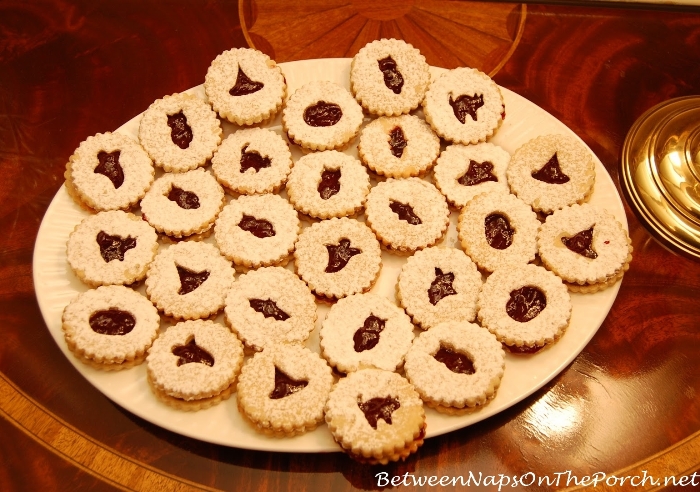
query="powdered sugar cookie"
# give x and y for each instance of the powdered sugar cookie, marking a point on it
(245, 86)
(109, 171)
(366, 330)
(389, 77)
(398, 147)
(180, 132)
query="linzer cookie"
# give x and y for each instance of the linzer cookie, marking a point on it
(338, 257)
(437, 285)
(525, 306)
(407, 214)
(283, 390)
(182, 204)
(112, 247)
(270, 305)
(321, 115)
(464, 171)
(464, 106)
(586, 246)
(376, 416)
(328, 184)
(245, 86)
(398, 147)
(257, 230)
(366, 330)
(180, 132)
(455, 366)
(252, 160)
(110, 327)
(389, 77)
(189, 280)
(498, 228)
(109, 171)
(551, 172)
(193, 365)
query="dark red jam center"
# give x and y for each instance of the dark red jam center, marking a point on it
(184, 199)
(244, 85)
(180, 131)
(581, 243)
(257, 227)
(112, 321)
(114, 247)
(367, 337)
(109, 166)
(441, 286)
(285, 386)
(190, 280)
(526, 303)
(339, 255)
(323, 114)
(392, 77)
(455, 362)
(192, 353)
(466, 105)
(268, 308)
(405, 212)
(253, 160)
(551, 172)
(478, 172)
(397, 142)
(378, 408)
(330, 183)
(498, 232)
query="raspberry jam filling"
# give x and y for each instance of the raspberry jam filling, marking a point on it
(190, 280)
(253, 160)
(551, 172)
(329, 184)
(367, 337)
(478, 172)
(185, 199)
(392, 77)
(109, 166)
(114, 247)
(244, 85)
(466, 105)
(378, 408)
(112, 321)
(526, 303)
(285, 385)
(441, 286)
(581, 243)
(498, 232)
(405, 212)
(192, 353)
(268, 308)
(322, 114)
(260, 228)
(397, 142)
(455, 361)
(339, 255)
(180, 130)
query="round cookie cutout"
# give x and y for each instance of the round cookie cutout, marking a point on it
(498, 228)
(338, 257)
(245, 86)
(328, 184)
(586, 246)
(398, 147)
(252, 160)
(551, 172)
(376, 416)
(257, 230)
(321, 115)
(455, 366)
(110, 327)
(268, 306)
(109, 171)
(525, 306)
(182, 204)
(180, 132)
(464, 106)
(283, 390)
(438, 284)
(464, 171)
(194, 364)
(112, 247)
(189, 280)
(365, 330)
(389, 77)
(407, 214)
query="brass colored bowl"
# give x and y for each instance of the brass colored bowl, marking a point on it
(660, 173)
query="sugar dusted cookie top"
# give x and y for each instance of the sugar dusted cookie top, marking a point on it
(464, 106)
(109, 171)
(321, 115)
(551, 172)
(389, 77)
(180, 132)
(245, 86)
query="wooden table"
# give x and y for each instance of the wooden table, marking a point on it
(69, 70)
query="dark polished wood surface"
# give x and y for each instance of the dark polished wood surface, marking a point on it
(629, 403)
